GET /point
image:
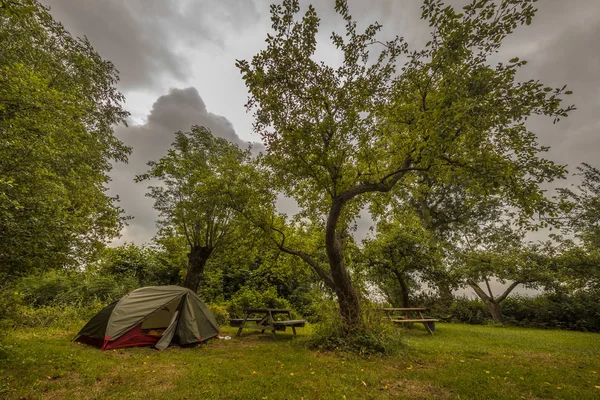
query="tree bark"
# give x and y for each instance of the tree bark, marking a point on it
(197, 258)
(403, 289)
(495, 311)
(348, 299)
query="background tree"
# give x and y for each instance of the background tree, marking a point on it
(497, 252)
(402, 257)
(194, 196)
(336, 135)
(58, 108)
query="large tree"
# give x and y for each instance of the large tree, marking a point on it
(198, 179)
(336, 135)
(58, 108)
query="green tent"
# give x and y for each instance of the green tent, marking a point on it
(153, 315)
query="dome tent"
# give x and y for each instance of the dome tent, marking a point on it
(152, 315)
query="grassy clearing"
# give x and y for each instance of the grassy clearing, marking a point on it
(459, 361)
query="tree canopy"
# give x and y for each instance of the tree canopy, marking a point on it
(336, 135)
(197, 178)
(58, 108)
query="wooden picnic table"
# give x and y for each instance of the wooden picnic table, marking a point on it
(266, 320)
(409, 315)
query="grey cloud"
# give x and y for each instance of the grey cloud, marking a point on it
(147, 40)
(172, 112)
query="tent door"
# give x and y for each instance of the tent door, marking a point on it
(167, 335)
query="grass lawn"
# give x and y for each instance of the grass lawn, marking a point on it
(457, 362)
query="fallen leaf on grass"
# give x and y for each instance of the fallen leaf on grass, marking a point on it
(363, 383)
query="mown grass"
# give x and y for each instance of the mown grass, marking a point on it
(458, 362)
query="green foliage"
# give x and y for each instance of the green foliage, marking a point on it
(376, 337)
(584, 219)
(200, 196)
(339, 137)
(248, 297)
(579, 311)
(401, 256)
(147, 266)
(221, 314)
(59, 288)
(470, 311)
(58, 108)
(71, 316)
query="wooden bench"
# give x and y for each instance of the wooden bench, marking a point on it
(267, 322)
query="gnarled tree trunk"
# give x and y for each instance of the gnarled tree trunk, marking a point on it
(197, 258)
(347, 297)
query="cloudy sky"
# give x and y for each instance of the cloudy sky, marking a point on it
(177, 67)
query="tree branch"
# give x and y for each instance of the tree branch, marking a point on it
(507, 291)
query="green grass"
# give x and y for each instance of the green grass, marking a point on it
(458, 362)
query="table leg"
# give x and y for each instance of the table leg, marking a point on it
(271, 323)
(426, 324)
(239, 333)
(290, 318)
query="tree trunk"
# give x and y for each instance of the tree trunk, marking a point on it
(495, 311)
(348, 299)
(197, 258)
(492, 304)
(446, 296)
(403, 288)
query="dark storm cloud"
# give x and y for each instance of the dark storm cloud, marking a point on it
(178, 110)
(147, 39)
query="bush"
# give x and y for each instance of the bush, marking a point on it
(572, 311)
(375, 337)
(220, 312)
(469, 311)
(65, 316)
(577, 311)
(72, 287)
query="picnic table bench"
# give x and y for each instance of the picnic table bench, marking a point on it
(410, 315)
(266, 321)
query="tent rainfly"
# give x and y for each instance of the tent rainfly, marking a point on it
(153, 315)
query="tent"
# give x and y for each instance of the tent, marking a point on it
(153, 315)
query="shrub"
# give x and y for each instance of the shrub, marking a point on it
(220, 312)
(470, 311)
(376, 337)
(72, 287)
